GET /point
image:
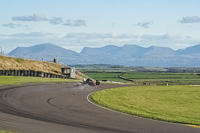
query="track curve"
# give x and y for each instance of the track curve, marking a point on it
(64, 108)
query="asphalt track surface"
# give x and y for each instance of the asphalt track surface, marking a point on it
(64, 108)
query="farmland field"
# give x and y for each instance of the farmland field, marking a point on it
(169, 103)
(151, 78)
(110, 76)
(160, 75)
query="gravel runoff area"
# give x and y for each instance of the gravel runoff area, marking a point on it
(64, 108)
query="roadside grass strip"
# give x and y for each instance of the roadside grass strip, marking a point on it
(5, 131)
(179, 104)
(16, 80)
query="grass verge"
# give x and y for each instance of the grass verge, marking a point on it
(16, 80)
(180, 104)
(4, 131)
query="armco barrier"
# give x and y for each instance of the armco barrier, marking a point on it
(29, 73)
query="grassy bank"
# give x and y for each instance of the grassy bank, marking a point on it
(11, 63)
(16, 80)
(169, 103)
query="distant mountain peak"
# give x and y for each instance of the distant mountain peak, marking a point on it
(41, 50)
(189, 50)
(127, 55)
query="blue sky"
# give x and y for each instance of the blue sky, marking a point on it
(74, 24)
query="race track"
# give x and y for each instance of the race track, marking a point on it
(64, 108)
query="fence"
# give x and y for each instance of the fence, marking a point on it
(125, 78)
(29, 73)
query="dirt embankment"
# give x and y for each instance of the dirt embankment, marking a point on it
(10, 63)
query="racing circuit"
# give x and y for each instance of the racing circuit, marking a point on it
(64, 108)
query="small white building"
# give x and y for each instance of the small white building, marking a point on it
(70, 72)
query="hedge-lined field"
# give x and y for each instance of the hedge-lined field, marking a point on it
(139, 78)
(160, 75)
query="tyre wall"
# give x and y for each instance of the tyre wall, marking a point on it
(29, 73)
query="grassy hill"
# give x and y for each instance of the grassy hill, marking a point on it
(10, 63)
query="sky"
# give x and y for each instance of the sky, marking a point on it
(75, 24)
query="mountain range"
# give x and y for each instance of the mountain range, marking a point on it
(127, 55)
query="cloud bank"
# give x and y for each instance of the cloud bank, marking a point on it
(75, 22)
(11, 25)
(190, 19)
(55, 20)
(32, 35)
(34, 17)
(85, 35)
(144, 24)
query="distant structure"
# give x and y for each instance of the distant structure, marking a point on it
(54, 60)
(2, 52)
(70, 72)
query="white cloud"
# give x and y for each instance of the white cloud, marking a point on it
(99, 39)
(161, 37)
(56, 21)
(34, 17)
(29, 35)
(144, 24)
(101, 35)
(190, 19)
(75, 22)
(11, 25)
(167, 40)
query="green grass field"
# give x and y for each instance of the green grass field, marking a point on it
(110, 76)
(16, 80)
(160, 75)
(179, 104)
(158, 78)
